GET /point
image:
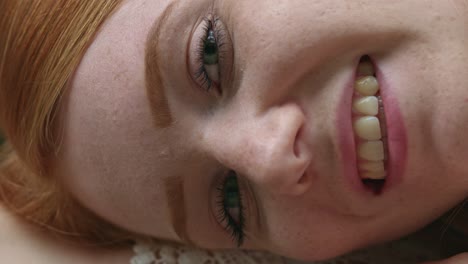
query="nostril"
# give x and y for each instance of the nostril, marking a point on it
(301, 185)
(297, 142)
(304, 179)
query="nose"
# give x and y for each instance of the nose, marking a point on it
(268, 149)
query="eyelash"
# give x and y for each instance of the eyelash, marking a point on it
(230, 224)
(201, 75)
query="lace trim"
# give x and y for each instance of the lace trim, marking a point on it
(161, 254)
(420, 247)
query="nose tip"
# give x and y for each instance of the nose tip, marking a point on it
(286, 177)
(277, 157)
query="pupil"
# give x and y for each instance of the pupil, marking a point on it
(232, 200)
(231, 184)
(231, 193)
(210, 50)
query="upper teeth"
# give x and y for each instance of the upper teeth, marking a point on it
(367, 85)
(367, 105)
(367, 125)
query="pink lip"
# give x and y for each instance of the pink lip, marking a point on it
(397, 138)
(397, 135)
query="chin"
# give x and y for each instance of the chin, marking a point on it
(325, 251)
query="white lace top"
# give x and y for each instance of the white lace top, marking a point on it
(414, 249)
(163, 254)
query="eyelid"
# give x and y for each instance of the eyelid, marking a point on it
(253, 216)
(219, 180)
(225, 50)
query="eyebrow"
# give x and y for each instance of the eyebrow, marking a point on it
(177, 210)
(162, 117)
(154, 80)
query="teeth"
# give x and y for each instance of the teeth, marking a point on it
(371, 150)
(374, 175)
(369, 124)
(372, 170)
(365, 68)
(368, 105)
(368, 128)
(367, 86)
(376, 166)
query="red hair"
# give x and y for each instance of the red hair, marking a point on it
(41, 45)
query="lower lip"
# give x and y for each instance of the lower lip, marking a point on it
(396, 136)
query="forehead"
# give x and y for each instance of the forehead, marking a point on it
(110, 144)
(107, 94)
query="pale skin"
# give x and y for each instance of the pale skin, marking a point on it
(22, 243)
(276, 118)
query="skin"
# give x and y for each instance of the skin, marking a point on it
(276, 118)
(21, 242)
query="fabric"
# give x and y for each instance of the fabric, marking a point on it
(420, 247)
(165, 254)
(402, 252)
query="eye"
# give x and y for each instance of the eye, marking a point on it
(208, 54)
(211, 57)
(230, 209)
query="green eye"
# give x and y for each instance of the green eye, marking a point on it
(231, 193)
(231, 209)
(210, 50)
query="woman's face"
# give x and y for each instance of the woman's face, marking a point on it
(187, 118)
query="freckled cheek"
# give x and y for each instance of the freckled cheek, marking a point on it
(293, 240)
(286, 226)
(302, 239)
(299, 230)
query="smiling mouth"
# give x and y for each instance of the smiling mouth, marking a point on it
(369, 127)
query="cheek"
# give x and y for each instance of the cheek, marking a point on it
(299, 237)
(310, 233)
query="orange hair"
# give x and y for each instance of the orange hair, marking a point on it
(41, 45)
